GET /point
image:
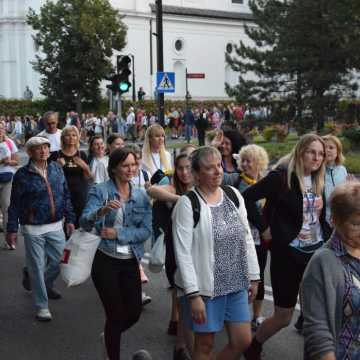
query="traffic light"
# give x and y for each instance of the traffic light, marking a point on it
(114, 86)
(122, 66)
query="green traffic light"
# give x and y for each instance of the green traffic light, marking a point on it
(124, 86)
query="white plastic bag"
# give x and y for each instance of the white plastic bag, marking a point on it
(157, 255)
(78, 257)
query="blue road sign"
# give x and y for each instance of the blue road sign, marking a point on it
(165, 82)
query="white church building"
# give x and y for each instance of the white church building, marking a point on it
(197, 33)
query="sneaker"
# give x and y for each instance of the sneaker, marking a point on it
(43, 315)
(142, 355)
(26, 280)
(299, 323)
(53, 294)
(256, 322)
(181, 354)
(146, 299)
(172, 328)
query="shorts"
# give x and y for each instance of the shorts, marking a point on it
(286, 272)
(232, 308)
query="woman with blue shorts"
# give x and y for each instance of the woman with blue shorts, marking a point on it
(218, 270)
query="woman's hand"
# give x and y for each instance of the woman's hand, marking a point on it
(80, 162)
(6, 160)
(108, 233)
(218, 139)
(61, 161)
(110, 205)
(253, 291)
(266, 235)
(198, 310)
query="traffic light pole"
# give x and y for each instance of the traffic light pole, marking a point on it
(133, 79)
(160, 58)
(119, 107)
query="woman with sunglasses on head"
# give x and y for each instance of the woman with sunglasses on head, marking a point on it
(97, 159)
(121, 215)
(294, 215)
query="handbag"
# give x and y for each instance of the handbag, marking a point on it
(157, 254)
(78, 257)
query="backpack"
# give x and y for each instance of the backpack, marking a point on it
(195, 203)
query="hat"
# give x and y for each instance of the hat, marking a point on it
(35, 141)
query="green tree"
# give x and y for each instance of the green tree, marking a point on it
(76, 39)
(302, 55)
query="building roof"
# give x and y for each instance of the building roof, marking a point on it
(204, 13)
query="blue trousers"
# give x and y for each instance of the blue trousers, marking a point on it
(43, 255)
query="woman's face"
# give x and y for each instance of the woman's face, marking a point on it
(116, 144)
(157, 140)
(350, 231)
(183, 171)
(226, 147)
(126, 170)
(211, 172)
(313, 157)
(71, 138)
(249, 166)
(98, 147)
(330, 151)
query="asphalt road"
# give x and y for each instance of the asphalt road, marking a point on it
(78, 320)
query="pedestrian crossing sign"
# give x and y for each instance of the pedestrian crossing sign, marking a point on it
(165, 82)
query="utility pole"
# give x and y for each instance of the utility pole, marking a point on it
(160, 57)
(133, 79)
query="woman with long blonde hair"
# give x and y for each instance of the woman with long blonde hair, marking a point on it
(292, 225)
(76, 169)
(154, 154)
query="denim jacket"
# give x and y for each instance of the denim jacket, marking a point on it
(137, 224)
(38, 201)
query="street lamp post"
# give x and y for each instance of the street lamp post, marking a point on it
(160, 57)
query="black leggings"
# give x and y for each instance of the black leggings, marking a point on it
(261, 253)
(119, 287)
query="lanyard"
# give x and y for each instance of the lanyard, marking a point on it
(310, 208)
(154, 162)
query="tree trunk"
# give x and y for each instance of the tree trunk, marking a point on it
(78, 103)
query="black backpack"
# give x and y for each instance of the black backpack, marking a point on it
(195, 203)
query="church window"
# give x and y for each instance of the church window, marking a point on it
(179, 45)
(229, 48)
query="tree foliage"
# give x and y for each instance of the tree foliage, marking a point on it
(302, 56)
(76, 39)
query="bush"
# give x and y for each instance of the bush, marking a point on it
(353, 135)
(268, 133)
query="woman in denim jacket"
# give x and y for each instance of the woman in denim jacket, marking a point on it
(121, 215)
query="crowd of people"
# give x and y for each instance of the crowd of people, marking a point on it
(178, 122)
(221, 210)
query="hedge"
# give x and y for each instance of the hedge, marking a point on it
(14, 107)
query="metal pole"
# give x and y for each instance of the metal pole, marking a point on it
(186, 89)
(160, 57)
(119, 107)
(133, 79)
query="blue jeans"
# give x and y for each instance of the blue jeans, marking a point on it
(43, 255)
(188, 132)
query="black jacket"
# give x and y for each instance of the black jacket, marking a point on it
(283, 210)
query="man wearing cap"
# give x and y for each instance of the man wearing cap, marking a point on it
(40, 201)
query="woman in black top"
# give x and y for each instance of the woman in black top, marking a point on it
(75, 167)
(294, 216)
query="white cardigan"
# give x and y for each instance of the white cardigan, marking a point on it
(194, 248)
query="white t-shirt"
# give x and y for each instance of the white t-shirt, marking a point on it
(156, 163)
(55, 139)
(7, 148)
(98, 127)
(121, 249)
(99, 169)
(310, 233)
(130, 120)
(139, 180)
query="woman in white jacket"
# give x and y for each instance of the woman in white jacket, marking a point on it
(218, 270)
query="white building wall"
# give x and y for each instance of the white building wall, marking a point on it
(204, 46)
